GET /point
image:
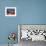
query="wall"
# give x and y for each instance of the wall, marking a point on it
(28, 12)
(32, 11)
(7, 24)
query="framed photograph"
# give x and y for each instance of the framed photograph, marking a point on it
(10, 11)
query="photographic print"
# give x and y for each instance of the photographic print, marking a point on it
(10, 11)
